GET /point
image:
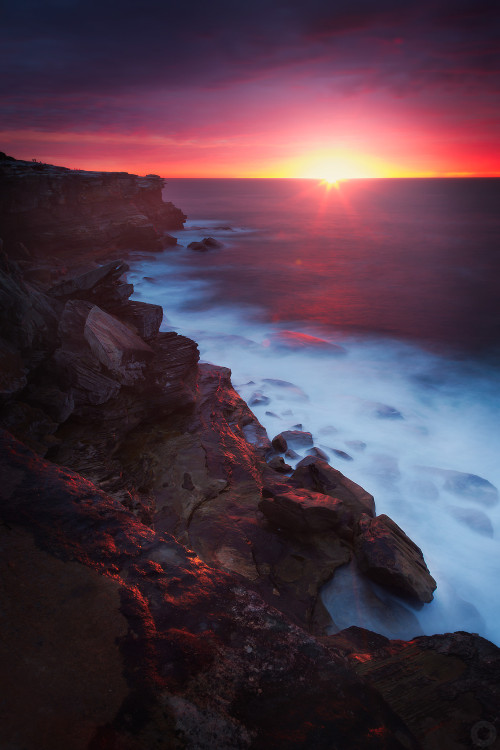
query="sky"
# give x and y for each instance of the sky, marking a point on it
(220, 88)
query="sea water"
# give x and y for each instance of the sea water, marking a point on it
(368, 312)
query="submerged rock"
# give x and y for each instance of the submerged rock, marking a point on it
(474, 519)
(208, 243)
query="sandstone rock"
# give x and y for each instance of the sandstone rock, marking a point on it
(297, 438)
(278, 464)
(389, 557)
(318, 452)
(63, 210)
(454, 674)
(304, 511)
(208, 243)
(12, 370)
(315, 474)
(29, 320)
(83, 284)
(279, 444)
(116, 346)
(144, 318)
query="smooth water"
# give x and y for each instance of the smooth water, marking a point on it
(401, 275)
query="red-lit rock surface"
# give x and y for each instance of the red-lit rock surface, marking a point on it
(114, 634)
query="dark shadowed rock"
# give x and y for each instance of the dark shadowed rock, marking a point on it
(297, 438)
(84, 284)
(456, 674)
(318, 452)
(208, 243)
(304, 511)
(258, 399)
(389, 557)
(342, 454)
(60, 210)
(279, 444)
(315, 474)
(278, 464)
(116, 347)
(144, 318)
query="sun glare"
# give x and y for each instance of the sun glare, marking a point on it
(333, 167)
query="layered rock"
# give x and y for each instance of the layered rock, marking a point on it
(64, 211)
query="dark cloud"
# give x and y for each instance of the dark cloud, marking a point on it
(80, 50)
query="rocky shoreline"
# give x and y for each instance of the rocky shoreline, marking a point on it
(163, 567)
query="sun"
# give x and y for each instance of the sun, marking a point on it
(333, 168)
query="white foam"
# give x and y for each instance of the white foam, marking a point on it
(411, 408)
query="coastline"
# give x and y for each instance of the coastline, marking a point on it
(177, 470)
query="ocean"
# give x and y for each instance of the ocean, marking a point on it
(369, 313)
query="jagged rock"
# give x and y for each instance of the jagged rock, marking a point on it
(297, 438)
(304, 511)
(12, 370)
(389, 557)
(63, 210)
(84, 284)
(318, 452)
(279, 443)
(29, 320)
(315, 474)
(444, 687)
(208, 243)
(144, 318)
(258, 399)
(342, 454)
(278, 464)
(116, 347)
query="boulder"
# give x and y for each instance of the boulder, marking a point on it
(389, 557)
(83, 284)
(207, 243)
(279, 444)
(278, 464)
(315, 474)
(318, 452)
(143, 317)
(304, 511)
(297, 438)
(116, 347)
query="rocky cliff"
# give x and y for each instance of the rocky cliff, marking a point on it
(162, 570)
(54, 210)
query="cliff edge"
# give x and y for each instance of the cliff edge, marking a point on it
(162, 575)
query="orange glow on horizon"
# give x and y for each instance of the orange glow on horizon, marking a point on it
(236, 157)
